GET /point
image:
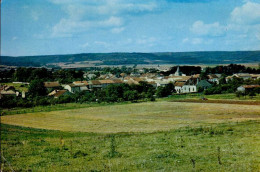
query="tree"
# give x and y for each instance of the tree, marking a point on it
(131, 95)
(165, 91)
(37, 88)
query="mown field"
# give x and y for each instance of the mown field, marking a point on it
(151, 136)
(138, 117)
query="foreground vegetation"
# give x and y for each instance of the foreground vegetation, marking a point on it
(222, 147)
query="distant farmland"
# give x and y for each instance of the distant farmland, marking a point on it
(139, 117)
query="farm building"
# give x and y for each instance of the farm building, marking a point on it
(247, 88)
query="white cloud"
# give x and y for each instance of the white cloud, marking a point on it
(117, 30)
(14, 38)
(214, 29)
(249, 13)
(85, 15)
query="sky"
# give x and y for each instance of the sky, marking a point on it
(47, 27)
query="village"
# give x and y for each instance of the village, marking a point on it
(183, 84)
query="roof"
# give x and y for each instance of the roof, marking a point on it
(162, 82)
(74, 85)
(60, 93)
(107, 81)
(51, 84)
(212, 76)
(117, 81)
(196, 76)
(95, 82)
(250, 86)
(204, 83)
(10, 92)
(179, 84)
(80, 82)
(180, 78)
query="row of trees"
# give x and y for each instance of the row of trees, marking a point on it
(112, 93)
(231, 69)
(23, 74)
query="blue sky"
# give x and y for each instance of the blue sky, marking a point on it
(44, 27)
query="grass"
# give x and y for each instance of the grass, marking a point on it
(57, 107)
(138, 117)
(228, 96)
(225, 147)
(150, 136)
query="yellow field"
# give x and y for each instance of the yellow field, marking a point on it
(138, 117)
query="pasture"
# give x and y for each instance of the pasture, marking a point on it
(151, 136)
(138, 117)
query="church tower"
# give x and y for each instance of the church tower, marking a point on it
(178, 73)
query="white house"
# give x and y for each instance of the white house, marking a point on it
(182, 87)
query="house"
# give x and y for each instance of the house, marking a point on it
(83, 85)
(189, 89)
(178, 86)
(247, 88)
(244, 76)
(89, 76)
(182, 87)
(255, 76)
(58, 93)
(105, 83)
(203, 84)
(213, 78)
(94, 84)
(6, 90)
(161, 83)
(133, 80)
(50, 86)
(72, 88)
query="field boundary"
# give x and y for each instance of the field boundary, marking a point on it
(218, 101)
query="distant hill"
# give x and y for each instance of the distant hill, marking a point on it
(211, 57)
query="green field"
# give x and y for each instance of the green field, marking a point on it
(150, 136)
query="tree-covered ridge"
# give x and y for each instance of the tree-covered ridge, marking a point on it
(211, 57)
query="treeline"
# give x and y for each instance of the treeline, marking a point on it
(112, 93)
(231, 69)
(23, 74)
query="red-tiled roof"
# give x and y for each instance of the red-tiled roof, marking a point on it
(60, 93)
(80, 82)
(250, 86)
(51, 84)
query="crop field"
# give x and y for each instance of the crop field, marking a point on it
(139, 117)
(151, 136)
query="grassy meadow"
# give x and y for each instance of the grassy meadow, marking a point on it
(149, 136)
